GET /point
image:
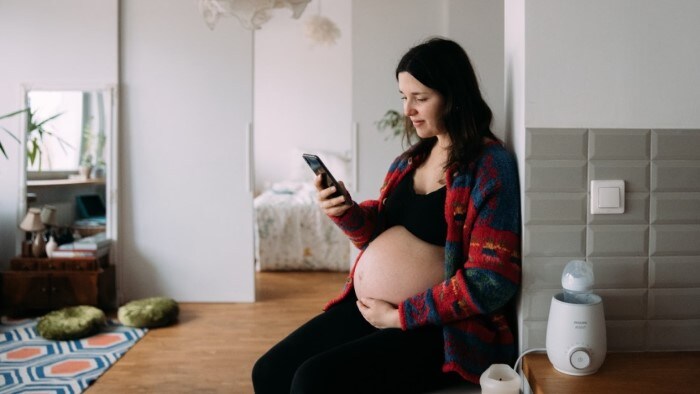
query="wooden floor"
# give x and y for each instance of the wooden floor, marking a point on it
(214, 346)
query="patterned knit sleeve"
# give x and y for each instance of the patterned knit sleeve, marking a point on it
(360, 221)
(490, 274)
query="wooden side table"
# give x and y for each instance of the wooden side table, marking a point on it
(621, 373)
(40, 284)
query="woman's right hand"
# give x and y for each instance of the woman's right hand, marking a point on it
(330, 206)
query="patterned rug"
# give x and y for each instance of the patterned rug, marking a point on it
(32, 364)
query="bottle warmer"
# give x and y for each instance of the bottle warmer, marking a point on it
(576, 339)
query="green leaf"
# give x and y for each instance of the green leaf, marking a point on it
(2, 149)
(33, 150)
(11, 114)
(11, 135)
(40, 124)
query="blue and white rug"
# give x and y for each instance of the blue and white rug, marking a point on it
(32, 364)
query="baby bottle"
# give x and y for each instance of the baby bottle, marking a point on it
(577, 281)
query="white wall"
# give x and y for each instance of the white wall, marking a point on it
(186, 213)
(622, 64)
(302, 92)
(68, 42)
(514, 70)
(477, 25)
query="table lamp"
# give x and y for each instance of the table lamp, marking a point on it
(48, 217)
(32, 223)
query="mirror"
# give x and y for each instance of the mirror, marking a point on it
(70, 158)
(75, 124)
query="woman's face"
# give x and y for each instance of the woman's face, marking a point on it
(423, 105)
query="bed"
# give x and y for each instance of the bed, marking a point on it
(291, 231)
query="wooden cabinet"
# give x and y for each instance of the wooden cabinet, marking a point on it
(40, 284)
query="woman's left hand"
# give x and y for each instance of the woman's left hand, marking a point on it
(379, 313)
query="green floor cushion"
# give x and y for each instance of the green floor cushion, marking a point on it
(71, 323)
(149, 312)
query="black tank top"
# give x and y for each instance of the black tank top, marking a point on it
(421, 214)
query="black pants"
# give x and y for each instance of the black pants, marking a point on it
(339, 352)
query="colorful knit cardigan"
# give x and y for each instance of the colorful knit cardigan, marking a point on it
(482, 260)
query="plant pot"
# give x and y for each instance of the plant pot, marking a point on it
(84, 171)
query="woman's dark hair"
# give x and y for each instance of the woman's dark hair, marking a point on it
(444, 66)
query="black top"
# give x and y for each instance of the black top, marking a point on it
(421, 214)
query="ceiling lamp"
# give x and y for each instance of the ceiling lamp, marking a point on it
(251, 13)
(321, 30)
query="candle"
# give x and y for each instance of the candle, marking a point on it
(500, 379)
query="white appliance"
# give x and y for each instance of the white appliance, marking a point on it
(576, 339)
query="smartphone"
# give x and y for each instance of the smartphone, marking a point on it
(327, 179)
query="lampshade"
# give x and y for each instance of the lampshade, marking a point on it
(251, 13)
(321, 30)
(48, 215)
(32, 221)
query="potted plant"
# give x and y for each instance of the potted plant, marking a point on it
(85, 166)
(36, 130)
(393, 121)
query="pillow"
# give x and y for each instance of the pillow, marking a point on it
(71, 323)
(149, 312)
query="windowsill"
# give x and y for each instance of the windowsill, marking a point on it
(66, 182)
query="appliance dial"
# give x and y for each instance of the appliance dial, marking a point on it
(580, 358)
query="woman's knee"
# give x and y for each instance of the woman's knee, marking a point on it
(317, 375)
(269, 372)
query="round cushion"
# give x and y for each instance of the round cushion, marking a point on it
(71, 323)
(149, 312)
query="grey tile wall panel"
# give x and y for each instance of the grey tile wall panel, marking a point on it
(634, 173)
(563, 176)
(675, 240)
(555, 208)
(646, 261)
(675, 144)
(536, 303)
(675, 176)
(556, 144)
(617, 240)
(544, 272)
(674, 304)
(534, 334)
(618, 144)
(627, 304)
(636, 211)
(674, 271)
(626, 335)
(552, 241)
(675, 208)
(674, 335)
(620, 272)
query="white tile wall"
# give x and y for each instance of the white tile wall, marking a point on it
(646, 261)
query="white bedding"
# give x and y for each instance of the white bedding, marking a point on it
(292, 233)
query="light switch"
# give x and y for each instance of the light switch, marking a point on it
(607, 197)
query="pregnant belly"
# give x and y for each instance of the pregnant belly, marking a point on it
(397, 265)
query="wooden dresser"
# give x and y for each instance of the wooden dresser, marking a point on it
(42, 284)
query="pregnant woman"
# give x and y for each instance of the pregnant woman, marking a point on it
(429, 299)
